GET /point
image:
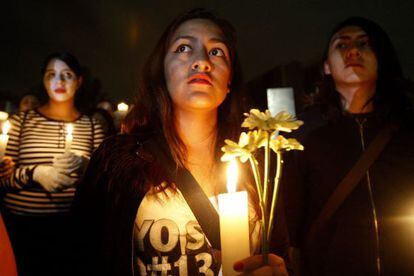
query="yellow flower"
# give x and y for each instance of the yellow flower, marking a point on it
(280, 143)
(248, 143)
(283, 121)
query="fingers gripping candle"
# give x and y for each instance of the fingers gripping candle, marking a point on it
(4, 138)
(234, 223)
(69, 137)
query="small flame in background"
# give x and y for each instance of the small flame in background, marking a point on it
(69, 129)
(123, 107)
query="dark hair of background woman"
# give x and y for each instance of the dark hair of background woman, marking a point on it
(153, 109)
(391, 84)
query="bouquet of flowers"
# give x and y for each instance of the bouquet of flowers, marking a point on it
(264, 134)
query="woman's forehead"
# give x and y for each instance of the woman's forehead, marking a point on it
(349, 32)
(196, 28)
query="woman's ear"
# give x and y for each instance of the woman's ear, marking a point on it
(326, 68)
(80, 81)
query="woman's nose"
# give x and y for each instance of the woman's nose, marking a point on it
(202, 63)
(354, 51)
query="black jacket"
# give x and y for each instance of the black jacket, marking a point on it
(346, 245)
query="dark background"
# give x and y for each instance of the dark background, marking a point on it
(113, 38)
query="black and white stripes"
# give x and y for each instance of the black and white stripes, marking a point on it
(35, 140)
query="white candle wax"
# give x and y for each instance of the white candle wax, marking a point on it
(69, 138)
(4, 138)
(234, 225)
(234, 230)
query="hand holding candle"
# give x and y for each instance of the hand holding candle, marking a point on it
(234, 223)
(4, 138)
(69, 137)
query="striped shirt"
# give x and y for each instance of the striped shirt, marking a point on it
(35, 140)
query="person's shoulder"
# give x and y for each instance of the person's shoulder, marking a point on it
(19, 116)
(127, 146)
(313, 122)
(119, 143)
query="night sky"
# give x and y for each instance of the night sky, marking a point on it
(113, 38)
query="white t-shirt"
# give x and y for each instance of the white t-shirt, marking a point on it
(169, 241)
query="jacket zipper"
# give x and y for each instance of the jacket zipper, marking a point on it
(372, 201)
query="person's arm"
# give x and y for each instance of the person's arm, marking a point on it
(20, 175)
(7, 263)
(98, 133)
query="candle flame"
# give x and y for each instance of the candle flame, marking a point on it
(123, 106)
(69, 129)
(6, 127)
(232, 174)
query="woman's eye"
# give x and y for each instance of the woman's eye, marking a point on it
(341, 45)
(68, 76)
(217, 52)
(182, 49)
(50, 75)
(363, 43)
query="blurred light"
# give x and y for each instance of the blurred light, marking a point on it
(123, 106)
(3, 116)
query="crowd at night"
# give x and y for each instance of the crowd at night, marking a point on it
(187, 160)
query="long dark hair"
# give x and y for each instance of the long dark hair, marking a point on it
(390, 94)
(153, 109)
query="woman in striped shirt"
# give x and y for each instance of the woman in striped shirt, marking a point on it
(37, 195)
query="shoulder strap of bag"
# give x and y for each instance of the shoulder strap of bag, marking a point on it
(352, 179)
(201, 206)
(195, 197)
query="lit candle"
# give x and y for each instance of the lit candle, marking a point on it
(234, 223)
(4, 138)
(69, 137)
(120, 113)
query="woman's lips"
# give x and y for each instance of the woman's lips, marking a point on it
(200, 79)
(354, 64)
(60, 90)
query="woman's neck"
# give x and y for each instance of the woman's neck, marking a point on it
(357, 99)
(196, 130)
(198, 133)
(63, 111)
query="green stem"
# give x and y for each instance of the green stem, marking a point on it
(266, 169)
(275, 191)
(256, 174)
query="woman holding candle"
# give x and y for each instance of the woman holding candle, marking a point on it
(361, 95)
(39, 191)
(134, 218)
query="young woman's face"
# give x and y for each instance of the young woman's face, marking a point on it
(60, 81)
(351, 59)
(197, 66)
